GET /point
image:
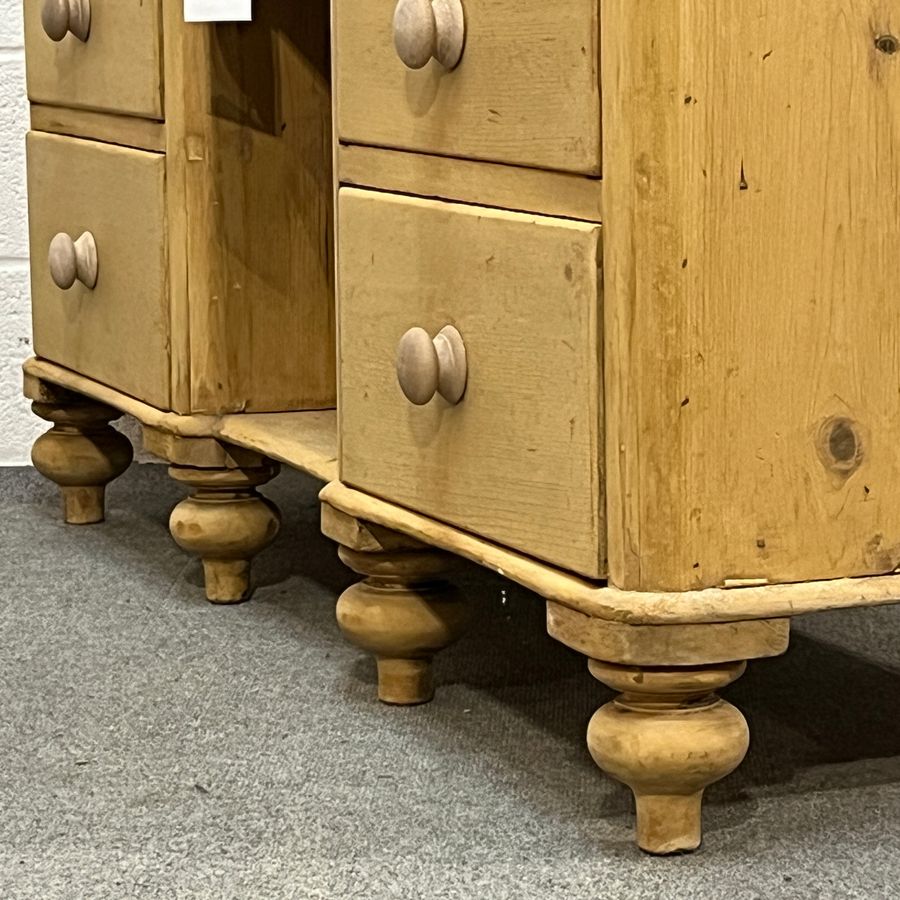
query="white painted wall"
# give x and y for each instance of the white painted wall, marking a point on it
(18, 426)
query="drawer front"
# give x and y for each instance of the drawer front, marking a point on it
(117, 68)
(118, 331)
(525, 91)
(517, 459)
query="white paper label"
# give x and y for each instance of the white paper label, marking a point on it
(217, 10)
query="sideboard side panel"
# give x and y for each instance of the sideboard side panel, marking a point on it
(752, 242)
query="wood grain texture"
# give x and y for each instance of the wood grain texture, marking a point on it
(668, 736)
(118, 332)
(43, 379)
(403, 613)
(127, 131)
(226, 522)
(118, 68)
(249, 147)
(303, 440)
(205, 452)
(667, 645)
(81, 453)
(602, 601)
(526, 90)
(518, 459)
(752, 341)
(472, 181)
(364, 537)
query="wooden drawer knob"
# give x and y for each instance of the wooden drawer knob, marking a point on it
(429, 28)
(59, 17)
(426, 367)
(72, 261)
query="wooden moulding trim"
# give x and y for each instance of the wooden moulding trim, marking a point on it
(364, 537)
(311, 449)
(605, 602)
(697, 644)
(183, 426)
(110, 128)
(199, 453)
(302, 440)
(498, 185)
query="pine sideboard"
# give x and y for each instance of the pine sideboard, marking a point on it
(181, 210)
(611, 291)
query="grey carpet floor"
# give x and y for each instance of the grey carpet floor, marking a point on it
(152, 745)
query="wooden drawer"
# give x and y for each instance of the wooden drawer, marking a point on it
(117, 68)
(117, 332)
(526, 89)
(518, 458)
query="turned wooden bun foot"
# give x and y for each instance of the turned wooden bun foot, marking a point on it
(226, 522)
(403, 614)
(82, 453)
(668, 736)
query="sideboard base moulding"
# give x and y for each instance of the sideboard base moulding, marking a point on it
(668, 735)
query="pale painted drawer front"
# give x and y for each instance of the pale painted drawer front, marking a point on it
(517, 459)
(118, 332)
(117, 69)
(526, 89)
